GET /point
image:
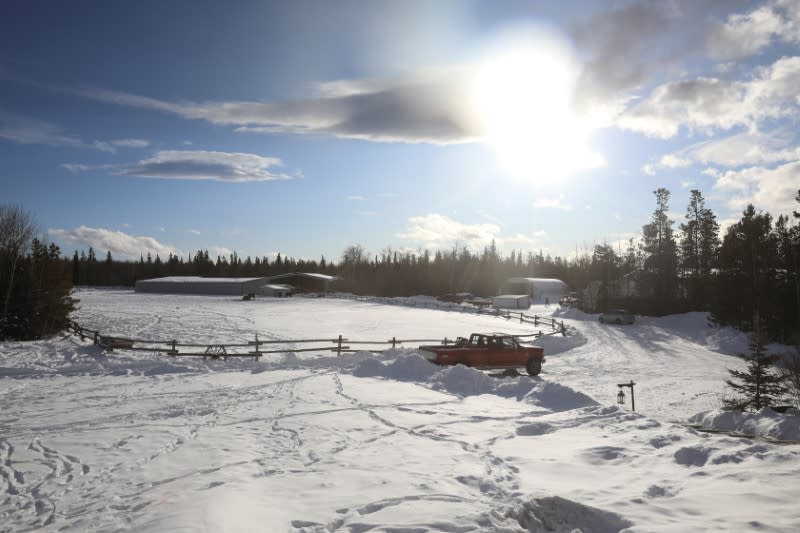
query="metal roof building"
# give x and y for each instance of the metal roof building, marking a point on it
(537, 288)
(199, 285)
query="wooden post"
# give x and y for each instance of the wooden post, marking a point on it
(394, 341)
(563, 329)
(174, 352)
(339, 347)
(95, 337)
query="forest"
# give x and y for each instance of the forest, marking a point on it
(749, 270)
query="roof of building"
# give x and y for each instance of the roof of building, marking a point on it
(198, 279)
(310, 275)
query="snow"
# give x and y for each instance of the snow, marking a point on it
(383, 441)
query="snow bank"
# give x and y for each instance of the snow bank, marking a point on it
(764, 423)
(464, 381)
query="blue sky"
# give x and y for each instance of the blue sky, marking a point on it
(303, 127)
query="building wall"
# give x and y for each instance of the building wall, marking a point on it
(231, 288)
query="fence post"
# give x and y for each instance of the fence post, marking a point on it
(95, 337)
(339, 347)
(563, 329)
(520, 318)
(394, 341)
(174, 352)
(535, 320)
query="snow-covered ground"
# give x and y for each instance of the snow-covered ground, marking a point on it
(382, 442)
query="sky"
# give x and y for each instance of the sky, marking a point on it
(303, 127)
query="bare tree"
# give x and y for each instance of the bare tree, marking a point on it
(17, 229)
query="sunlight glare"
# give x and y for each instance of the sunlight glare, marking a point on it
(523, 96)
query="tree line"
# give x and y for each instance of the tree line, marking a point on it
(753, 268)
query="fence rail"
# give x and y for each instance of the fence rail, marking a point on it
(338, 345)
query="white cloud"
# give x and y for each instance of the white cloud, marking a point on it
(748, 34)
(713, 104)
(130, 143)
(28, 130)
(551, 203)
(425, 106)
(121, 245)
(194, 231)
(520, 239)
(768, 189)
(356, 198)
(685, 184)
(221, 251)
(747, 148)
(202, 165)
(436, 230)
(75, 167)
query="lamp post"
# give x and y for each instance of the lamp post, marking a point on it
(621, 394)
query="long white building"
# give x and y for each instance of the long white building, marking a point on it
(199, 285)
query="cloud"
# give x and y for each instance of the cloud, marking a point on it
(356, 198)
(130, 143)
(551, 203)
(121, 245)
(522, 240)
(194, 231)
(424, 106)
(75, 167)
(202, 165)
(768, 189)
(436, 230)
(747, 148)
(23, 129)
(220, 251)
(28, 130)
(748, 34)
(712, 104)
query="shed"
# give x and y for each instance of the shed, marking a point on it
(539, 289)
(511, 301)
(277, 290)
(200, 285)
(305, 281)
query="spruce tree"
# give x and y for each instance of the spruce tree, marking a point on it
(760, 385)
(699, 246)
(661, 258)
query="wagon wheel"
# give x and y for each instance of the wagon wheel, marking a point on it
(216, 351)
(533, 367)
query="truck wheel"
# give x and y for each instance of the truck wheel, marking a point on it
(533, 367)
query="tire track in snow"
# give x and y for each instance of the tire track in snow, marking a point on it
(500, 483)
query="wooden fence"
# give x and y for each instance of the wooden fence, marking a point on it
(338, 345)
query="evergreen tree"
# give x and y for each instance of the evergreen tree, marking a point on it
(660, 263)
(747, 272)
(699, 247)
(760, 385)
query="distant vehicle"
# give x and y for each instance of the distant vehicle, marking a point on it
(617, 316)
(487, 351)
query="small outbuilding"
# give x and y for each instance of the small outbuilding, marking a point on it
(511, 301)
(305, 281)
(276, 290)
(540, 290)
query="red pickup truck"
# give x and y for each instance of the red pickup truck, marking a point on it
(487, 351)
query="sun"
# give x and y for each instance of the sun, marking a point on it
(523, 96)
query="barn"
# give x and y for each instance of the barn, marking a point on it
(200, 285)
(538, 289)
